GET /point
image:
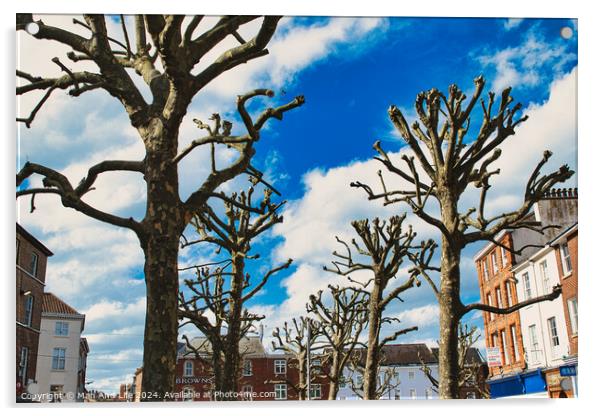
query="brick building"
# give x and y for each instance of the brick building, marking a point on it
(263, 376)
(540, 261)
(498, 288)
(31, 259)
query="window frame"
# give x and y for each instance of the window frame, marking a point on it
(62, 325)
(23, 365)
(553, 332)
(545, 276)
(534, 343)
(565, 259)
(279, 389)
(494, 268)
(186, 368)
(508, 287)
(33, 264)
(527, 286)
(29, 304)
(514, 342)
(247, 368)
(280, 363)
(504, 345)
(573, 314)
(313, 388)
(486, 268)
(58, 359)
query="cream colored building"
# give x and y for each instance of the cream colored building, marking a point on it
(60, 372)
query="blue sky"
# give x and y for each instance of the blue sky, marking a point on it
(350, 71)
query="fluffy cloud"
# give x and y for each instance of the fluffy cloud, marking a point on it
(529, 64)
(512, 23)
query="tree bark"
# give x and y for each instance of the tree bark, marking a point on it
(333, 388)
(449, 318)
(232, 357)
(372, 350)
(163, 225)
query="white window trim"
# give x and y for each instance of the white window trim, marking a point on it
(59, 359)
(247, 368)
(280, 388)
(62, 324)
(573, 314)
(278, 364)
(186, 363)
(563, 261)
(312, 389)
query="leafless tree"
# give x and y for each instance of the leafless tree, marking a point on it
(383, 249)
(297, 340)
(342, 317)
(217, 297)
(171, 40)
(450, 161)
(469, 368)
(387, 379)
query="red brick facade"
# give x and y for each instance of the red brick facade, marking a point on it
(569, 283)
(31, 259)
(498, 288)
(261, 380)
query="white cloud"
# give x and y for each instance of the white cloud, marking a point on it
(421, 316)
(512, 23)
(529, 63)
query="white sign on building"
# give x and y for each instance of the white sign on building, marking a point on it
(494, 357)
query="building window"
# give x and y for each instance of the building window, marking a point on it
(280, 390)
(17, 250)
(280, 367)
(61, 328)
(315, 392)
(485, 269)
(342, 382)
(247, 392)
(489, 303)
(494, 262)
(527, 285)
(572, 306)
(534, 356)
(514, 342)
(505, 349)
(504, 258)
(188, 394)
(33, 266)
(508, 293)
(553, 332)
(23, 364)
(498, 297)
(471, 395)
(412, 393)
(494, 340)
(567, 266)
(316, 366)
(188, 369)
(545, 276)
(28, 310)
(427, 394)
(58, 359)
(56, 393)
(247, 368)
(411, 375)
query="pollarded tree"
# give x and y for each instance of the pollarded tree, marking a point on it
(384, 248)
(216, 300)
(448, 162)
(342, 317)
(300, 340)
(174, 41)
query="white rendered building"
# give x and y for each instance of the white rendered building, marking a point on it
(543, 324)
(60, 372)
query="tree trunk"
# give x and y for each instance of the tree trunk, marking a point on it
(232, 364)
(335, 375)
(303, 376)
(163, 225)
(372, 350)
(449, 317)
